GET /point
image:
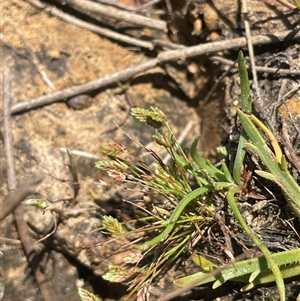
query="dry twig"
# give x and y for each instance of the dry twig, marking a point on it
(286, 4)
(89, 7)
(163, 57)
(24, 190)
(33, 58)
(115, 125)
(54, 11)
(216, 84)
(116, 3)
(44, 284)
(79, 153)
(261, 69)
(289, 147)
(146, 5)
(251, 53)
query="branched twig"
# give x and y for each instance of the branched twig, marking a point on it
(54, 11)
(163, 57)
(43, 283)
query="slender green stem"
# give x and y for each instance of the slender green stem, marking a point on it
(240, 271)
(247, 107)
(175, 215)
(272, 263)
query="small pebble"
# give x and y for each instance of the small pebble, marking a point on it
(80, 102)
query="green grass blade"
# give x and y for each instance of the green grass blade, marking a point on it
(240, 270)
(205, 164)
(271, 262)
(175, 216)
(239, 158)
(245, 84)
(288, 271)
(246, 107)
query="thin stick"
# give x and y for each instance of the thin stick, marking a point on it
(116, 3)
(259, 68)
(286, 4)
(146, 5)
(90, 86)
(289, 147)
(44, 284)
(79, 153)
(11, 241)
(216, 84)
(117, 14)
(251, 51)
(54, 11)
(24, 190)
(181, 138)
(33, 58)
(289, 94)
(8, 44)
(7, 128)
(50, 233)
(116, 125)
(163, 57)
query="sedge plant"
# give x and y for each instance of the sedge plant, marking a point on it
(168, 233)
